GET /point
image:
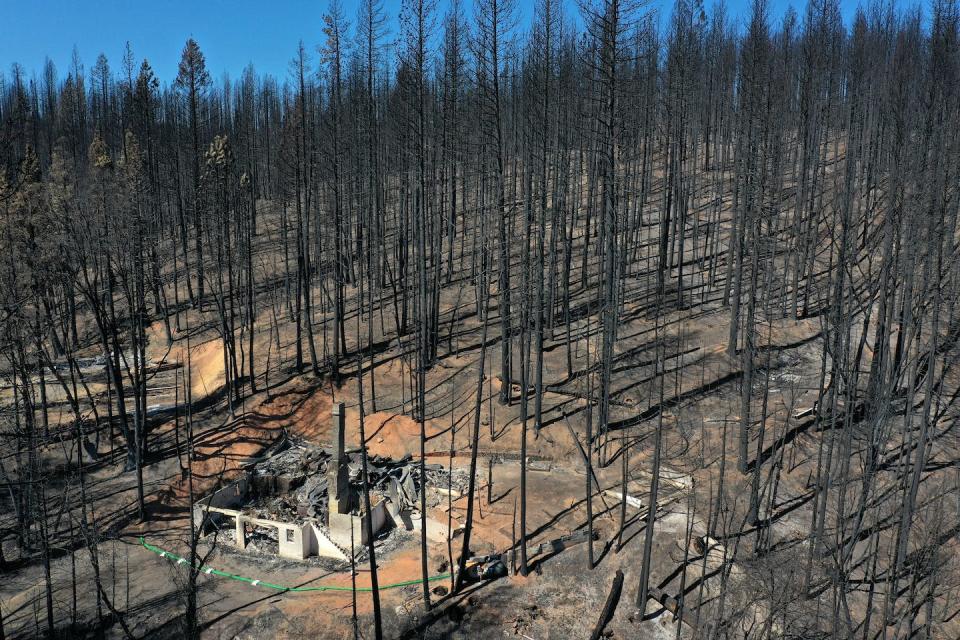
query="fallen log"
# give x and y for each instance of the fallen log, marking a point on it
(559, 544)
(630, 500)
(613, 598)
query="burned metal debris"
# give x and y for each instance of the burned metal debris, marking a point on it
(301, 499)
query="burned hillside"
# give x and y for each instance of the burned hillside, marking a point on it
(610, 327)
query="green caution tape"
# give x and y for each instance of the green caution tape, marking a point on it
(260, 583)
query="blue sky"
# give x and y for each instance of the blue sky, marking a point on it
(232, 33)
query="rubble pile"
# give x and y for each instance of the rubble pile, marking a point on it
(456, 481)
(312, 497)
(402, 488)
(279, 508)
(292, 483)
(300, 499)
(297, 457)
(260, 540)
(263, 540)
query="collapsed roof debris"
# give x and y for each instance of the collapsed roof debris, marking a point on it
(300, 499)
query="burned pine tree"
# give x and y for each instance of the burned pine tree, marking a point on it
(721, 238)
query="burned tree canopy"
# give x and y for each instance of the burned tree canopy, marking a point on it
(582, 321)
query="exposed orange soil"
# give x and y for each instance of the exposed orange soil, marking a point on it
(206, 358)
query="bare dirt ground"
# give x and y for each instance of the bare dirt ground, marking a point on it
(552, 602)
(562, 597)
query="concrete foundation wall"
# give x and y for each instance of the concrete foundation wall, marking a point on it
(381, 517)
(341, 523)
(321, 545)
(231, 496)
(436, 531)
(295, 540)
